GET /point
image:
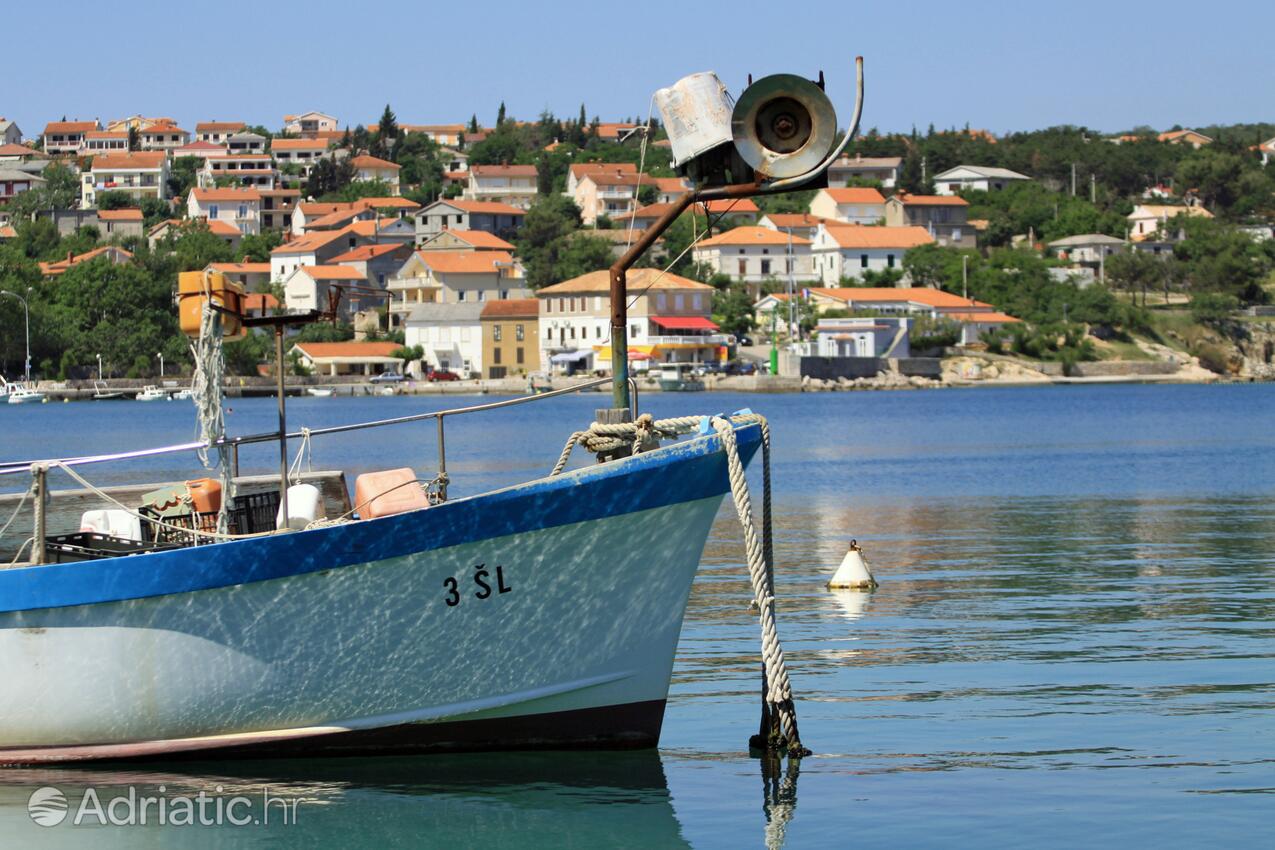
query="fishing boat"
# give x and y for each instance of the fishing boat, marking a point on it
(150, 392)
(103, 393)
(679, 378)
(540, 615)
(25, 394)
(184, 394)
(319, 392)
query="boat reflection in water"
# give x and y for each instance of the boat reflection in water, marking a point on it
(523, 800)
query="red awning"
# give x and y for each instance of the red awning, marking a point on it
(684, 323)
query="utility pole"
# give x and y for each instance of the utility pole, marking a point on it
(1073, 179)
(965, 276)
(26, 314)
(1093, 189)
(792, 305)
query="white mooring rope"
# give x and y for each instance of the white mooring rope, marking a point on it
(205, 389)
(779, 714)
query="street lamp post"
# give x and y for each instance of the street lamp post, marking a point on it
(26, 314)
(160, 355)
(99, 367)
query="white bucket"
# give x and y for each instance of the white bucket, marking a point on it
(305, 505)
(114, 522)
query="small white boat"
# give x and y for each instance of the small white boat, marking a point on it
(183, 395)
(103, 393)
(385, 391)
(25, 394)
(319, 392)
(150, 392)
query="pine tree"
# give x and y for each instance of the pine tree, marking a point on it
(500, 115)
(388, 126)
(473, 123)
(133, 137)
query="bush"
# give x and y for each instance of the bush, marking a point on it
(1215, 358)
(1213, 308)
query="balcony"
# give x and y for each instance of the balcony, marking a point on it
(689, 339)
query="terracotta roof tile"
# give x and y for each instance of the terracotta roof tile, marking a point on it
(860, 236)
(753, 235)
(599, 282)
(511, 308)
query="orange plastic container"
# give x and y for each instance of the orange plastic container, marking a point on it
(205, 495)
(394, 491)
(194, 287)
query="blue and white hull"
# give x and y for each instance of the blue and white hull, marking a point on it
(544, 615)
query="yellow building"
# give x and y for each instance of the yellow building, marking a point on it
(511, 337)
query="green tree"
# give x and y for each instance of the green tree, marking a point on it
(733, 311)
(256, 247)
(580, 254)
(548, 223)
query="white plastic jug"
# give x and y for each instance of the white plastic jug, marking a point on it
(305, 505)
(115, 522)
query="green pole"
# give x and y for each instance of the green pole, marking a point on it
(774, 345)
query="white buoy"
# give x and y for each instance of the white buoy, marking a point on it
(853, 573)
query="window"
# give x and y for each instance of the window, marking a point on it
(548, 305)
(519, 335)
(495, 355)
(482, 295)
(634, 330)
(743, 268)
(678, 302)
(495, 333)
(460, 295)
(695, 301)
(889, 261)
(573, 332)
(597, 332)
(243, 210)
(863, 261)
(212, 211)
(459, 219)
(549, 334)
(661, 301)
(518, 353)
(765, 266)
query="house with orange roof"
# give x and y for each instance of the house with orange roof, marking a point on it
(377, 263)
(310, 124)
(140, 174)
(848, 251)
(253, 170)
(1193, 138)
(246, 142)
(669, 189)
(223, 230)
(577, 170)
(452, 277)
(312, 249)
(515, 185)
(610, 192)
(1149, 222)
(67, 137)
(798, 224)
(510, 331)
(239, 207)
(670, 321)
(974, 316)
(302, 153)
(217, 132)
(494, 217)
(163, 137)
(308, 288)
(1266, 149)
(944, 216)
(370, 168)
(111, 253)
(19, 153)
(465, 240)
(753, 254)
(853, 206)
(443, 134)
(98, 142)
(199, 149)
(14, 182)
(348, 358)
(120, 222)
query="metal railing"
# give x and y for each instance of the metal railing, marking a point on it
(233, 443)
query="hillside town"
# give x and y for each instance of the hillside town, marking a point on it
(469, 251)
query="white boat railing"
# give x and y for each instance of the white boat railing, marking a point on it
(27, 466)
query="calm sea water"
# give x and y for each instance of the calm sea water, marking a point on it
(1073, 642)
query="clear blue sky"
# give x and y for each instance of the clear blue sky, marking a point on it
(997, 65)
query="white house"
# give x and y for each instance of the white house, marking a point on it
(163, 137)
(10, 132)
(313, 249)
(610, 193)
(847, 251)
(514, 185)
(255, 170)
(303, 153)
(753, 254)
(669, 321)
(67, 137)
(307, 289)
(217, 132)
(369, 168)
(1267, 149)
(348, 358)
(450, 334)
(452, 277)
(98, 142)
(881, 169)
(976, 177)
(142, 174)
(853, 205)
(877, 336)
(309, 124)
(1146, 219)
(239, 207)
(1088, 249)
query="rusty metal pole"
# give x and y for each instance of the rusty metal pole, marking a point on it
(620, 300)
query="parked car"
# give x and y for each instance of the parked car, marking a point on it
(386, 378)
(739, 367)
(441, 375)
(744, 340)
